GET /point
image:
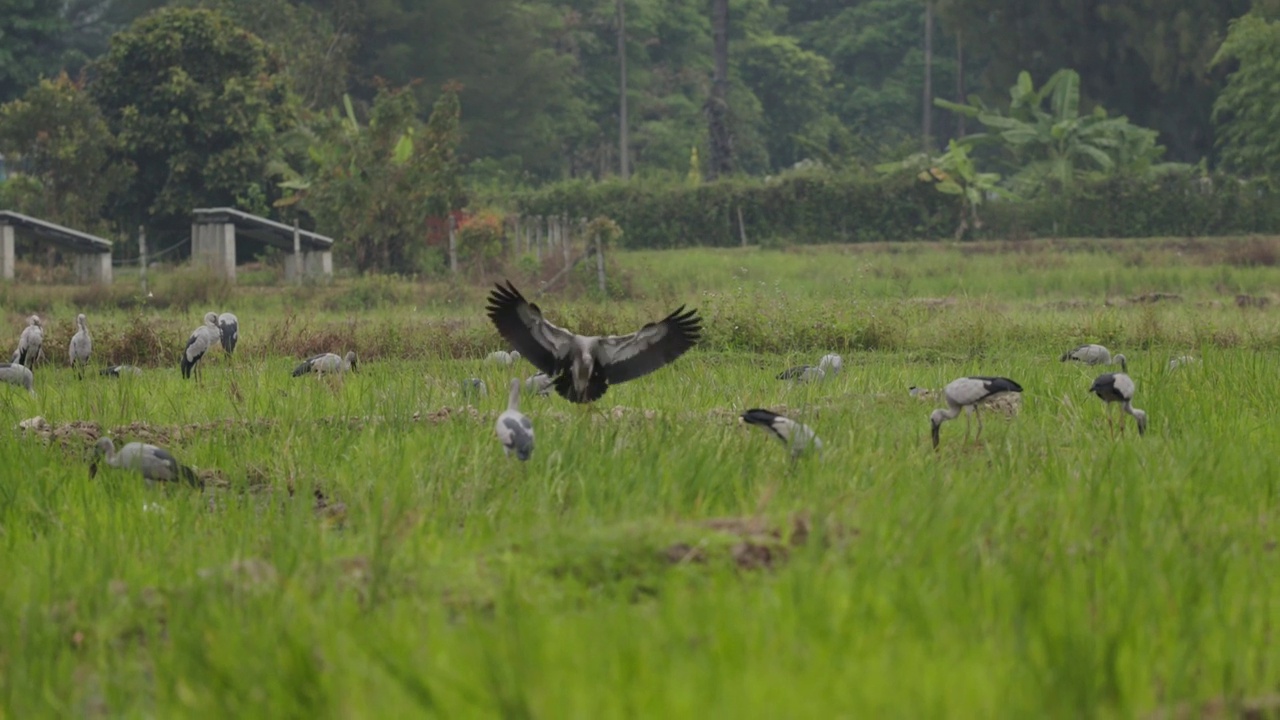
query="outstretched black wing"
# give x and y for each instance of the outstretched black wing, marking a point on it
(520, 323)
(649, 348)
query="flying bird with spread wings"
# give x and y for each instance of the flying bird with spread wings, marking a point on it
(583, 367)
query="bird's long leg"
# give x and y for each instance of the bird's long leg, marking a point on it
(978, 415)
(967, 422)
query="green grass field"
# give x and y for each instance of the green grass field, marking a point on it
(365, 549)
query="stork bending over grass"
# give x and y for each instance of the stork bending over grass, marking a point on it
(583, 367)
(154, 464)
(830, 363)
(1095, 355)
(1119, 388)
(327, 364)
(20, 375)
(966, 393)
(121, 370)
(798, 438)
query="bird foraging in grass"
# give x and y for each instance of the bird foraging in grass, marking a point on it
(799, 438)
(20, 375)
(1095, 355)
(121, 371)
(30, 343)
(514, 429)
(829, 364)
(1119, 388)
(154, 464)
(327, 364)
(583, 367)
(202, 338)
(967, 393)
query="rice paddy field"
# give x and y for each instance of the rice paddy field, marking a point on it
(363, 548)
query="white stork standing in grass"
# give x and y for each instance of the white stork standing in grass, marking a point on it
(29, 343)
(1095, 355)
(1119, 388)
(514, 429)
(20, 375)
(81, 344)
(798, 438)
(202, 338)
(154, 464)
(229, 326)
(583, 367)
(968, 392)
(327, 364)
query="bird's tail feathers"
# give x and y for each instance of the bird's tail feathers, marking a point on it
(760, 416)
(186, 366)
(189, 476)
(302, 369)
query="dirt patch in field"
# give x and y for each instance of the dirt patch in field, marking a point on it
(1264, 707)
(761, 545)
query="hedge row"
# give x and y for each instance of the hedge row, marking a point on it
(827, 207)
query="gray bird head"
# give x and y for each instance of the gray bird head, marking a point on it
(34, 321)
(351, 359)
(1122, 362)
(515, 355)
(935, 420)
(104, 446)
(211, 318)
(1141, 417)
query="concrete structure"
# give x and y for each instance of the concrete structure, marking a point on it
(92, 254)
(213, 243)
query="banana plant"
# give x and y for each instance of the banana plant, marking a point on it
(1050, 148)
(955, 173)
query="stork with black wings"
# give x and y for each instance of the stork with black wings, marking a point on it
(583, 367)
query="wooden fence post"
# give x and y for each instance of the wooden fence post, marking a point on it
(142, 257)
(604, 287)
(453, 245)
(563, 222)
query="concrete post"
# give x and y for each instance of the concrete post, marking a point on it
(214, 246)
(293, 267)
(6, 252)
(93, 268)
(318, 265)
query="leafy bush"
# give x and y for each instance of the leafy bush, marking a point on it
(480, 240)
(828, 207)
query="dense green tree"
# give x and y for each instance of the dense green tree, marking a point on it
(792, 85)
(27, 29)
(62, 144)
(1245, 110)
(1147, 59)
(197, 103)
(375, 184)
(316, 54)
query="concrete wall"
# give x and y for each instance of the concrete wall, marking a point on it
(93, 268)
(214, 246)
(6, 252)
(315, 265)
